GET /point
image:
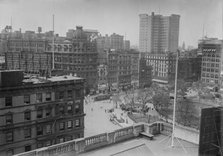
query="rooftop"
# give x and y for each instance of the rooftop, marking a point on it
(126, 141)
(160, 146)
(36, 80)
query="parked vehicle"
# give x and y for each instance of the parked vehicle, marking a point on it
(102, 97)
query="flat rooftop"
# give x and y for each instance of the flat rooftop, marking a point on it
(141, 146)
(36, 80)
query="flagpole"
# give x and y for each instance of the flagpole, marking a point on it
(53, 46)
(175, 99)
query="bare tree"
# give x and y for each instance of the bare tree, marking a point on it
(161, 102)
(185, 112)
(144, 96)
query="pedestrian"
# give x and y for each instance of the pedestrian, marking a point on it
(105, 110)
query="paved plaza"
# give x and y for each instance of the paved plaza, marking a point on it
(97, 119)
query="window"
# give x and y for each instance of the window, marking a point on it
(77, 123)
(61, 126)
(61, 95)
(48, 143)
(9, 136)
(39, 97)
(69, 94)
(69, 138)
(69, 109)
(69, 124)
(39, 145)
(27, 115)
(48, 128)
(77, 108)
(8, 101)
(10, 152)
(48, 111)
(48, 96)
(78, 135)
(8, 118)
(27, 148)
(27, 132)
(78, 93)
(26, 99)
(39, 130)
(61, 140)
(39, 113)
(61, 109)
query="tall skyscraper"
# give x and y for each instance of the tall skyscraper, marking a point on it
(158, 34)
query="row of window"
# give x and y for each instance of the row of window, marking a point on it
(210, 64)
(75, 67)
(209, 59)
(210, 70)
(209, 75)
(48, 96)
(60, 139)
(209, 80)
(10, 152)
(48, 129)
(25, 44)
(61, 110)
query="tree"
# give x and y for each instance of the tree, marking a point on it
(182, 87)
(185, 111)
(130, 97)
(201, 89)
(116, 99)
(161, 102)
(144, 96)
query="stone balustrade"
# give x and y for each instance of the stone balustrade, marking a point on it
(93, 142)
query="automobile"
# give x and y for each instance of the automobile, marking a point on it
(102, 97)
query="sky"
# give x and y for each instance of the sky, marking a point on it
(197, 17)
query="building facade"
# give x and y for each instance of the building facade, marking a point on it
(145, 74)
(76, 55)
(113, 69)
(39, 112)
(126, 45)
(189, 69)
(103, 78)
(158, 34)
(163, 66)
(212, 56)
(114, 41)
(124, 70)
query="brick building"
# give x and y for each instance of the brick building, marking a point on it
(145, 74)
(38, 112)
(123, 68)
(77, 55)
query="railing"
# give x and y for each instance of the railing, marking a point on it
(93, 142)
